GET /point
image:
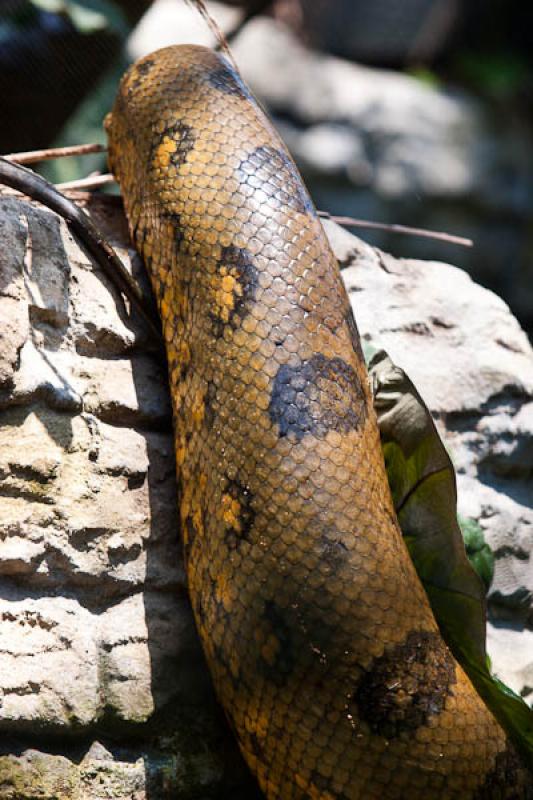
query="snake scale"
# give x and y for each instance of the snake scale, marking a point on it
(322, 646)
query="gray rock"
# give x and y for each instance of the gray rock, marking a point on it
(43, 641)
(14, 326)
(13, 335)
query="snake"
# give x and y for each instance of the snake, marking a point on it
(318, 635)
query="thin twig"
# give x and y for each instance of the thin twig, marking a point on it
(32, 156)
(351, 222)
(32, 185)
(90, 182)
(199, 5)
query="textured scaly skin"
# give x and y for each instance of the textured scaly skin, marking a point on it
(319, 637)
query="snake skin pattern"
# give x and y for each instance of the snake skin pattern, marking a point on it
(317, 632)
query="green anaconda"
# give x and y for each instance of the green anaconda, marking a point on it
(322, 646)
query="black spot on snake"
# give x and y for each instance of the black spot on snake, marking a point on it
(277, 656)
(226, 80)
(182, 135)
(145, 66)
(317, 396)
(406, 686)
(333, 550)
(174, 219)
(506, 780)
(273, 172)
(138, 73)
(235, 288)
(237, 500)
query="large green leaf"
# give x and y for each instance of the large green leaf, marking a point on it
(424, 491)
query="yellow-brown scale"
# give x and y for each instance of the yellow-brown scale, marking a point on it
(319, 637)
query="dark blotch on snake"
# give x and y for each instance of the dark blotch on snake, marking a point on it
(406, 686)
(183, 135)
(225, 80)
(506, 780)
(317, 396)
(272, 171)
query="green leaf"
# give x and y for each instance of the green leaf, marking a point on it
(479, 553)
(424, 492)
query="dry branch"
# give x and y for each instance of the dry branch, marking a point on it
(352, 222)
(32, 156)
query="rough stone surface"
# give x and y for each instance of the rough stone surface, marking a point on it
(103, 690)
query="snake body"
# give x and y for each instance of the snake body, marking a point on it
(318, 635)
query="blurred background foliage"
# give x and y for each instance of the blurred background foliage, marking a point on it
(60, 61)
